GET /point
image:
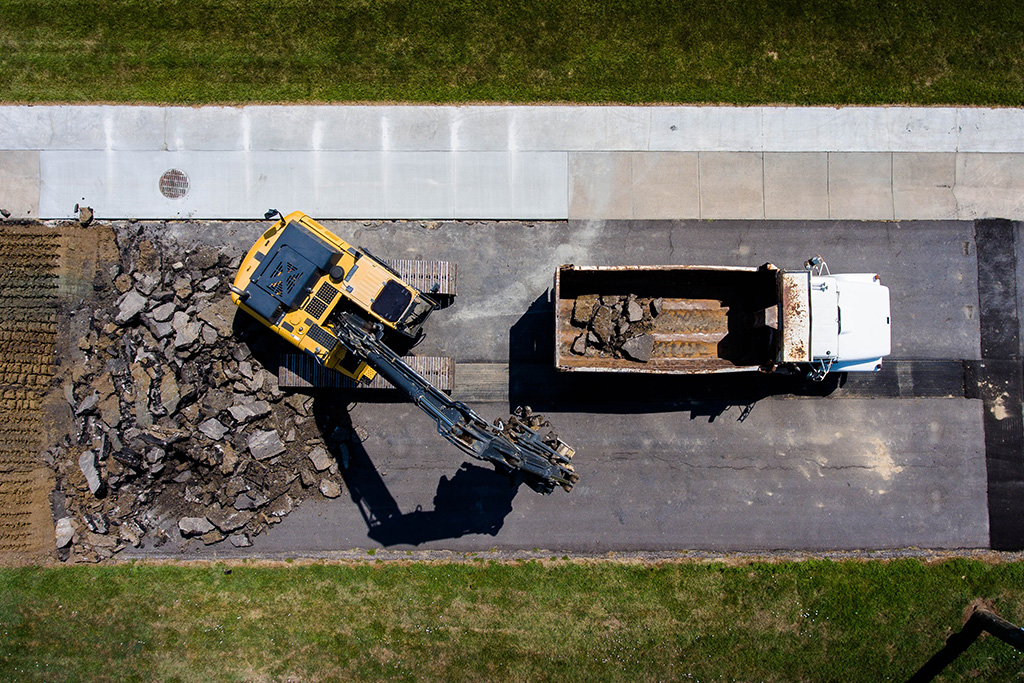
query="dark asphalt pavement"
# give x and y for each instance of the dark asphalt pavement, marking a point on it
(889, 461)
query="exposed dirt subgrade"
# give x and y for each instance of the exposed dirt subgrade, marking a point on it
(171, 429)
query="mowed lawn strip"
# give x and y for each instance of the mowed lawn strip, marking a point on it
(631, 51)
(519, 621)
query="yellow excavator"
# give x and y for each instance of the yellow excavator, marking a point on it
(339, 304)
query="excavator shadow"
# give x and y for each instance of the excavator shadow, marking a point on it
(534, 381)
(474, 500)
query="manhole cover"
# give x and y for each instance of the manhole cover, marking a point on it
(174, 184)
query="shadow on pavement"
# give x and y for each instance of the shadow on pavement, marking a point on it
(533, 380)
(475, 500)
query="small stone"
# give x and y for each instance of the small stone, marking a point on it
(146, 283)
(240, 540)
(249, 411)
(190, 527)
(656, 306)
(579, 346)
(64, 532)
(122, 283)
(297, 402)
(163, 312)
(210, 336)
(87, 463)
(250, 501)
(330, 488)
(603, 324)
(281, 506)
(320, 458)
(88, 404)
(245, 367)
(211, 537)
(634, 312)
(169, 393)
(230, 461)
(583, 309)
(264, 445)
(213, 428)
(236, 485)
(161, 330)
(228, 520)
(85, 216)
(639, 348)
(306, 477)
(187, 336)
(209, 284)
(183, 476)
(131, 533)
(130, 306)
(97, 523)
(220, 315)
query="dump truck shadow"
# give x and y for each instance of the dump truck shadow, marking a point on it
(534, 381)
(474, 500)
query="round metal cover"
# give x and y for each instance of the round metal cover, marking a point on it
(174, 184)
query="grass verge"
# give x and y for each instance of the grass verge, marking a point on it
(633, 51)
(524, 621)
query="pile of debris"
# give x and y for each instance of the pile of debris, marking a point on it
(176, 431)
(616, 326)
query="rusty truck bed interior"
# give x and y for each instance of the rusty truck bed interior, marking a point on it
(711, 321)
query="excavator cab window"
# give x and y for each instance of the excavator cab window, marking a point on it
(392, 301)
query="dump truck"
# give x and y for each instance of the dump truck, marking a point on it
(341, 304)
(693, 320)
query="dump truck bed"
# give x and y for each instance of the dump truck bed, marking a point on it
(697, 319)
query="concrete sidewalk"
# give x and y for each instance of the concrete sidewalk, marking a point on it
(514, 162)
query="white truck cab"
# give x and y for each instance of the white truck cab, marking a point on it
(849, 321)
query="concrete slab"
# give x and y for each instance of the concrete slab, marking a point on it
(540, 184)
(345, 184)
(665, 185)
(990, 185)
(417, 128)
(221, 129)
(482, 185)
(711, 129)
(796, 185)
(326, 184)
(579, 129)
(418, 184)
(825, 129)
(600, 185)
(731, 185)
(921, 129)
(300, 128)
(19, 183)
(990, 130)
(860, 185)
(81, 128)
(483, 129)
(922, 185)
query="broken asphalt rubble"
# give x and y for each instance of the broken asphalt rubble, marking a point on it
(176, 431)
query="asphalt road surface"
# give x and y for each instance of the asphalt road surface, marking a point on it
(904, 458)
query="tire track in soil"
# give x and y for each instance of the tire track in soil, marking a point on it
(29, 297)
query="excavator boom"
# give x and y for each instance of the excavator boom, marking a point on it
(513, 446)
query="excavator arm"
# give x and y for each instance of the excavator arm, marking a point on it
(513, 446)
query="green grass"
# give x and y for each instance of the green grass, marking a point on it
(631, 51)
(807, 621)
